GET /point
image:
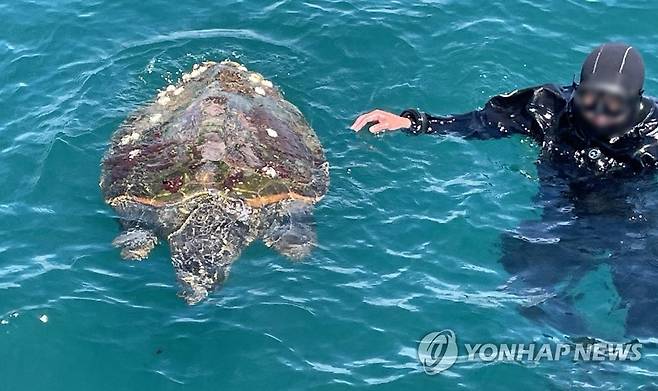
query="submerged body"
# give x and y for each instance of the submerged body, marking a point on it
(215, 162)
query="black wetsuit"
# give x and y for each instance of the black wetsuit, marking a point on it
(599, 200)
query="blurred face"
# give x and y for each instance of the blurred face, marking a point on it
(602, 110)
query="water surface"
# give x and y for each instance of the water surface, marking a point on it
(409, 232)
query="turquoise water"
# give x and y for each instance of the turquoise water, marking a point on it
(409, 232)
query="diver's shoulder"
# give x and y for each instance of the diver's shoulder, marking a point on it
(556, 88)
(537, 93)
(563, 91)
(557, 91)
(551, 96)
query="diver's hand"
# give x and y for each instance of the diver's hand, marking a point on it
(384, 121)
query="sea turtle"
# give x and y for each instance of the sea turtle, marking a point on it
(216, 161)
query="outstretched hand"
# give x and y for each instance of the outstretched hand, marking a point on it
(383, 121)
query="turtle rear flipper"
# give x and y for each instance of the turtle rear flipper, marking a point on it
(135, 243)
(204, 248)
(291, 229)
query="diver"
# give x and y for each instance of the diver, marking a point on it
(598, 142)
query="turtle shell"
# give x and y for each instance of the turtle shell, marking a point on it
(220, 129)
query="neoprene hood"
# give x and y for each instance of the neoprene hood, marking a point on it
(616, 68)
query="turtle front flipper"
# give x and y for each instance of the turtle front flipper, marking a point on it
(290, 229)
(204, 248)
(135, 243)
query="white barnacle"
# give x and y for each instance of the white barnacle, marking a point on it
(186, 77)
(255, 78)
(242, 68)
(272, 133)
(155, 118)
(165, 100)
(198, 71)
(269, 171)
(259, 90)
(134, 153)
(178, 91)
(171, 88)
(130, 138)
(267, 83)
